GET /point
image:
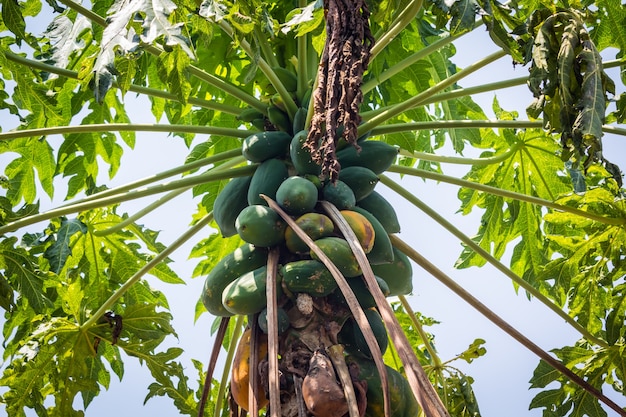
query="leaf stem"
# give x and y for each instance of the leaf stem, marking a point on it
(422, 173)
(124, 127)
(230, 353)
(159, 257)
(208, 378)
(455, 124)
(374, 82)
(502, 324)
(405, 17)
(268, 54)
(158, 203)
(303, 57)
(207, 104)
(235, 154)
(131, 195)
(489, 258)
(147, 209)
(399, 108)
(290, 104)
(417, 325)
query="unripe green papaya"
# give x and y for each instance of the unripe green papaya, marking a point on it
(309, 276)
(262, 146)
(361, 180)
(246, 294)
(339, 194)
(283, 321)
(382, 209)
(398, 274)
(361, 292)
(301, 157)
(351, 335)
(288, 78)
(228, 204)
(266, 180)
(375, 155)
(297, 195)
(315, 225)
(243, 259)
(280, 119)
(401, 397)
(261, 226)
(340, 253)
(249, 114)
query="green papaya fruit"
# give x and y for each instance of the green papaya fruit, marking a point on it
(228, 204)
(266, 180)
(262, 146)
(261, 226)
(242, 260)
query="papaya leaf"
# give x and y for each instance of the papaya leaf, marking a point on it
(66, 38)
(611, 28)
(58, 252)
(21, 270)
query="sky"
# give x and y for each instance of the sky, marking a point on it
(501, 377)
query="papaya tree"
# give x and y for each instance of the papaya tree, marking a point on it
(305, 126)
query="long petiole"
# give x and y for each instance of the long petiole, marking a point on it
(128, 196)
(418, 99)
(158, 203)
(454, 124)
(290, 104)
(418, 326)
(152, 92)
(235, 154)
(124, 127)
(502, 324)
(410, 197)
(613, 221)
(159, 257)
(405, 17)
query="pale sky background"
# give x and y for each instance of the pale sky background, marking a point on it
(501, 377)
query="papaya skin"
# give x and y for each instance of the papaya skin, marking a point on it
(362, 228)
(240, 373)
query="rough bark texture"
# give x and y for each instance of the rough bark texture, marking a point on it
(338, 95)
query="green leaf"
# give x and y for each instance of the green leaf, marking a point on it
(13, 19)
(35, 158)
(58, 252)
(23, 273)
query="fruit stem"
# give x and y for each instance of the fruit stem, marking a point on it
(158, 258)
(422, 173)
(410, 197)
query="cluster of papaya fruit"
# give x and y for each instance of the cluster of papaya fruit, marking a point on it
(287, 174)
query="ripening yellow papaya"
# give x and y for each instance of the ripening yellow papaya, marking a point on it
(240, 373)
